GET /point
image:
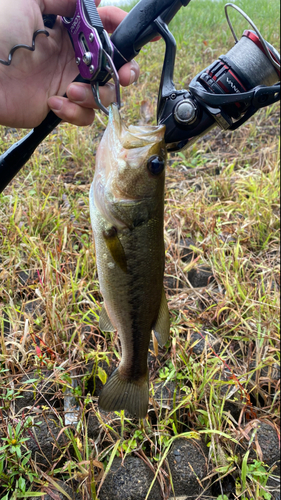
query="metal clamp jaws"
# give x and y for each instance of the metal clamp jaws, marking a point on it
(93, 49)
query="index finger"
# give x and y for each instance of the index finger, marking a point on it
(64, 8)
(111, 17)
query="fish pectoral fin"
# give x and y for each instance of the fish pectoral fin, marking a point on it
(119, 394)
(162, 326)
(104, 321)
(115, 247)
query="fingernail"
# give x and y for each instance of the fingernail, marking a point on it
(76, 93)
(133, 77)
(55, 103)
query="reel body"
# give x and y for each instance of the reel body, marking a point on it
(226, 93)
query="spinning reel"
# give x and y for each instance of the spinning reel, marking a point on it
(226, 93)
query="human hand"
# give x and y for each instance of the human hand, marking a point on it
(35, 81)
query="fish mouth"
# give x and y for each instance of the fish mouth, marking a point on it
(133, 136)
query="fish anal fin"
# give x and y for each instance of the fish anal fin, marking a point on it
(162, 326)
(104, 321)
(119, 394)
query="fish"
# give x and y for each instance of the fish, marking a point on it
(127, 216)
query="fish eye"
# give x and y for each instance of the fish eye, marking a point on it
(156, 165)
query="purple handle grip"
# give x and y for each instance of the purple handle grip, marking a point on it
(86, 42)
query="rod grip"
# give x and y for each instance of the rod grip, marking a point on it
(19, 153)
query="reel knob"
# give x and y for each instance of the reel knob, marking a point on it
(185, 112)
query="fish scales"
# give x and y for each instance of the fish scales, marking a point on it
(127, 206)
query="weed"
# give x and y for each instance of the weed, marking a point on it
(16, 472)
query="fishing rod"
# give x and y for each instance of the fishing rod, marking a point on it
(225, 94)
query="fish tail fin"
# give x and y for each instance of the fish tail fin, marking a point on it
(119, 394)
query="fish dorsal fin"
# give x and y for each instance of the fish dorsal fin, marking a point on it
(162, 326)
(104, 322)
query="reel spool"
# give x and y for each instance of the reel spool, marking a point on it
(250, 63)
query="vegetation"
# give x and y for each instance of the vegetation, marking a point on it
(223, 194)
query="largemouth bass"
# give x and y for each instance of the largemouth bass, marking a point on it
(127, 212)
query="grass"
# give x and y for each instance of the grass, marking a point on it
(223, 193)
